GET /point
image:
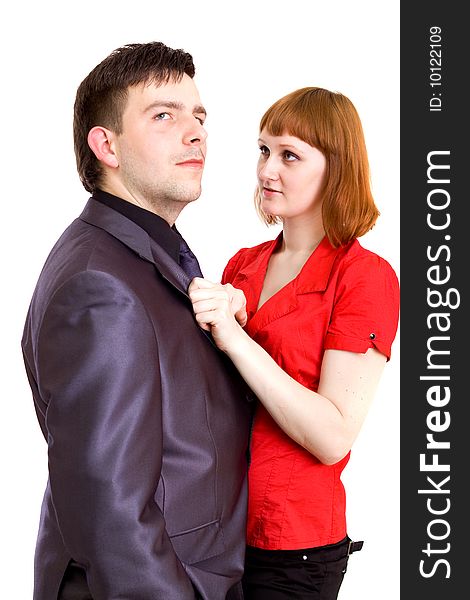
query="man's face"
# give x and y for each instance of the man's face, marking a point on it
(162, 147)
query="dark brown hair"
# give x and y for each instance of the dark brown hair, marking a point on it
(102, 95)
(329, 122)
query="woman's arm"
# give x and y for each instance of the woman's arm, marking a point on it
(326, 422)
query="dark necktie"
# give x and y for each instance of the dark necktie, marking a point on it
(188, 261)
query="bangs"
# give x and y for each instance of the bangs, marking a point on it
(301, 114)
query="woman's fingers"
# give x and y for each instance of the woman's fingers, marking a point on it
(208, 305)
(219, 309)
(238, 303)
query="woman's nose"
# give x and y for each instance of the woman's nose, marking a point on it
(268, 169)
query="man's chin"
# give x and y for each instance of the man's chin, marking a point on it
(179, 192)
(190, 195)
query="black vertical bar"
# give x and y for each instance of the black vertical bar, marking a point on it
(435, 268)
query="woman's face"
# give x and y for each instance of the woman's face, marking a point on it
(290, 176)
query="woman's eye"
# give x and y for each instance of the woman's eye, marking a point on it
(264, 150)
(163, 116)
(289, 156)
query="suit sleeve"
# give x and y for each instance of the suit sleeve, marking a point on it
(99, 372)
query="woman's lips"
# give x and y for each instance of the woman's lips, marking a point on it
(269, 193)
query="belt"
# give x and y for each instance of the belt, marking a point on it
(354, 546)
(336, 551)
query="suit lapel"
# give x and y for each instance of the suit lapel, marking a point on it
(138, 240)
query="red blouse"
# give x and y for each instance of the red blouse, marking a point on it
(346, 299)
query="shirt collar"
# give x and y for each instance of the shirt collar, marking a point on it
(313, 276)
(316, 271)
(157, 228)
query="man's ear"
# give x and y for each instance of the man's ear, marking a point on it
(100, 141)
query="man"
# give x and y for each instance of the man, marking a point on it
(146, 421)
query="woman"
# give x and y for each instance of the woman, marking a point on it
(322, 313)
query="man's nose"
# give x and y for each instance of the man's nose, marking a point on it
(195, 133)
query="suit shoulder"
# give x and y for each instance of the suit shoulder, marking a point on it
(84, 247)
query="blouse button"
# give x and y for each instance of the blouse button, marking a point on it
(372, 336)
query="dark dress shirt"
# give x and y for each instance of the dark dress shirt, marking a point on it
(168, 237)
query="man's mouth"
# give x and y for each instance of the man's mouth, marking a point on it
(195, 163)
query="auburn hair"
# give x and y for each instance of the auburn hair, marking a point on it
(329, 122)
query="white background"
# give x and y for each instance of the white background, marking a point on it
(247, 55)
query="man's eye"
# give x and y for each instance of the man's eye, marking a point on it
(200, 119)
(163, 116)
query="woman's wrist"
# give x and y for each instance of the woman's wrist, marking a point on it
(239, 344)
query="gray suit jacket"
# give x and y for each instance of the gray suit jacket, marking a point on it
(146, 422)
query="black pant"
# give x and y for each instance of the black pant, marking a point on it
(310, 574)
(74, 585)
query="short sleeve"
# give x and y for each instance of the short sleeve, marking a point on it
(366, 308)
(231, 269)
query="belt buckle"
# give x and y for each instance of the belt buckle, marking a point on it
(354, 546)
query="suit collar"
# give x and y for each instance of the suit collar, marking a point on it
(137, 239)
(158, 229)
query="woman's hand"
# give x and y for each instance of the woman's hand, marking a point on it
(220, 309)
